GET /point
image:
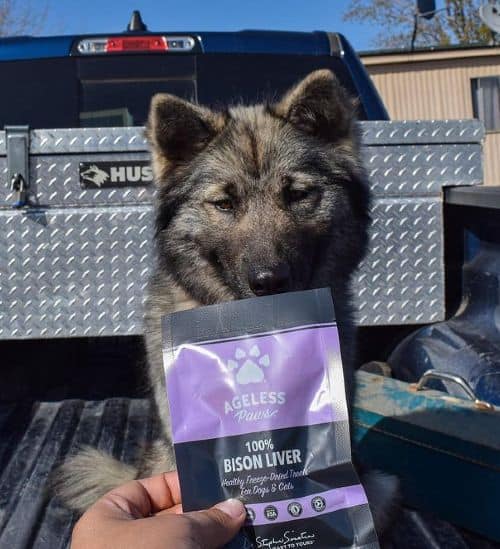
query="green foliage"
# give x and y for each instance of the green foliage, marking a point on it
(457, 23)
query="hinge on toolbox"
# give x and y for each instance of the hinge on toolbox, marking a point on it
(18, 149)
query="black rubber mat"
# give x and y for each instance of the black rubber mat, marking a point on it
(34, 438)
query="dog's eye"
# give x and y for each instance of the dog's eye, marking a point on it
(225, 205)
(294, 195)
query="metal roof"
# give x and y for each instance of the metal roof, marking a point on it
(429, 49)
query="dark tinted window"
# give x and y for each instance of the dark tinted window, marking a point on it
(41, 93)
(108, 103)
(229, 78)
(116, 90)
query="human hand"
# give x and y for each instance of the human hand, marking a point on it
(147, 514)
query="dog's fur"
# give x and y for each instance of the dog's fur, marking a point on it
(243, 191)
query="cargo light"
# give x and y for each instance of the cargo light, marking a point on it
(126, 44)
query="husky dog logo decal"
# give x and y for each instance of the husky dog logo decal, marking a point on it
(95, 175)
(130, 173)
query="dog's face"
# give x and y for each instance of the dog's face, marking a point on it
(259, 199)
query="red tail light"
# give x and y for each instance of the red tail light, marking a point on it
(124, 44)
(137, 43)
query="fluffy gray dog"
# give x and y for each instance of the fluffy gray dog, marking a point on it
(251, 201)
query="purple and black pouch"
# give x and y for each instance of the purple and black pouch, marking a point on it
(259, 413)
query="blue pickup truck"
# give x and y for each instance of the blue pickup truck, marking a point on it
(68, 380)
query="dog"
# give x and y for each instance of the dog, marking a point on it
(251, 201)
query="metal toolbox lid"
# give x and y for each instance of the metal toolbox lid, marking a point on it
(83, 140)
(404, 132)
(421, 132)
(407, 158)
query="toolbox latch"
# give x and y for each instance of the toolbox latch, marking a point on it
(18, 149)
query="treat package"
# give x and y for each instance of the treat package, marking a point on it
(258, 412)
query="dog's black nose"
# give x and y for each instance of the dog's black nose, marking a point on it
(265, 281)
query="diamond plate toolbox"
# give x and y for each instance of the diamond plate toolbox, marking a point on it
(74, 261)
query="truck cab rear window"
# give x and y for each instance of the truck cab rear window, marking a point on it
(124, 103)
(116, 91)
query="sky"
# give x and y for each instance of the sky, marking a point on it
(101, 16)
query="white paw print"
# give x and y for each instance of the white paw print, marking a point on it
(246, 364)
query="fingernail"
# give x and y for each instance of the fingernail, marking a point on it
(232, 507)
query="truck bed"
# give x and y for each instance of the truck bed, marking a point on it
(35, 437)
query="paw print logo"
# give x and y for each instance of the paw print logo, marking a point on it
(249, 365)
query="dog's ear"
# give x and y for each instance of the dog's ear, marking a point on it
(320, 106)
(178, 130)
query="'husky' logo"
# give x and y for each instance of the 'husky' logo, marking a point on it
(95, 175)
(249, 371)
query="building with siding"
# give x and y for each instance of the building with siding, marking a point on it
(443, 83)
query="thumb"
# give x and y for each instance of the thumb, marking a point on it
(219, 524)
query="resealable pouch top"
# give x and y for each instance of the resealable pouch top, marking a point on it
(258, 411)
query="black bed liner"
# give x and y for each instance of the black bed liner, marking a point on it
(35, 437)
(33, 441)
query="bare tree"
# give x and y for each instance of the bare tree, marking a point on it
(457, 23)
(19, 17)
